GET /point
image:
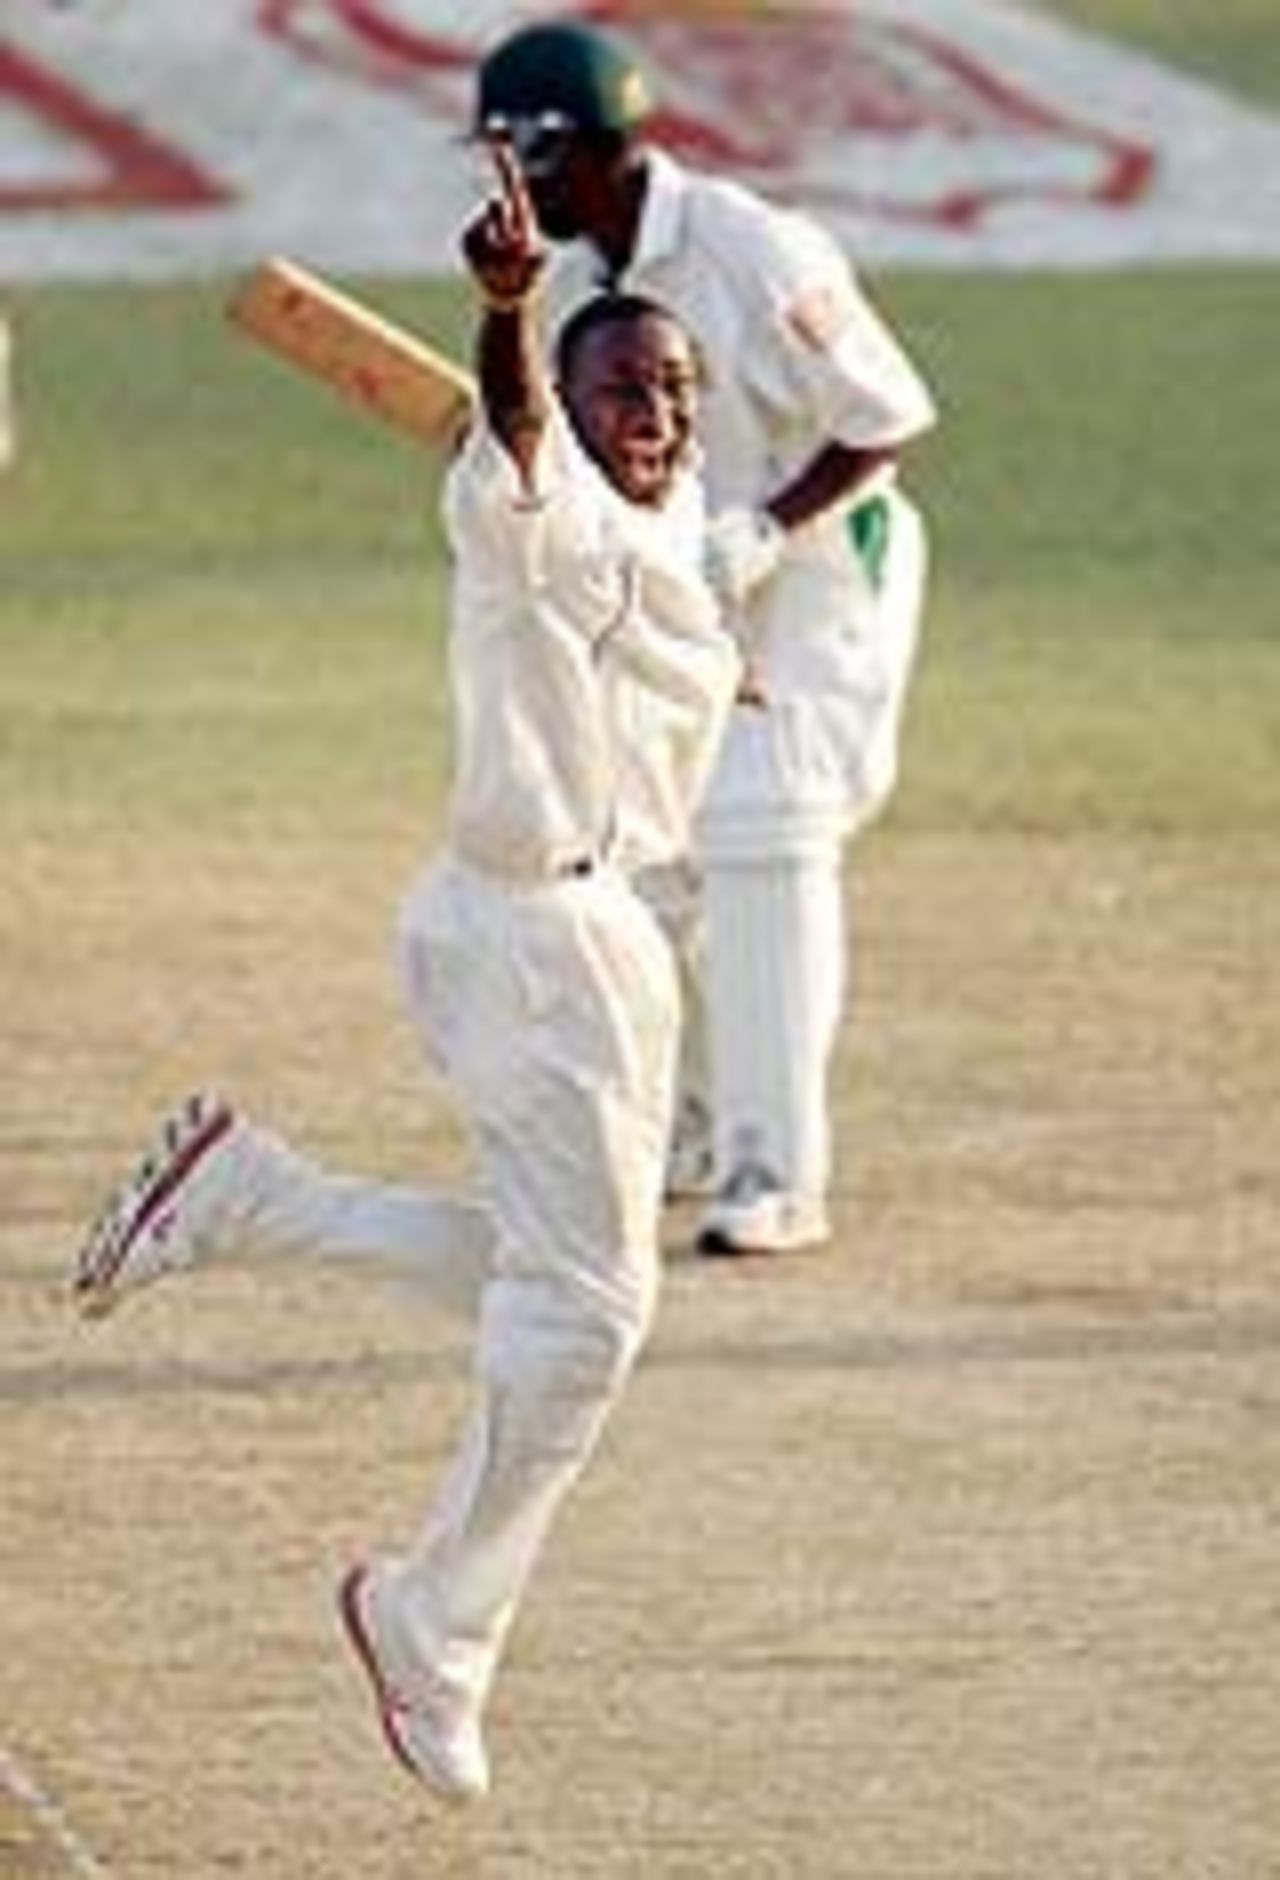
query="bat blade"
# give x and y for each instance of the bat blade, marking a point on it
(368, 360)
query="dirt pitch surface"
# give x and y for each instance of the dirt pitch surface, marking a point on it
(946, 1554)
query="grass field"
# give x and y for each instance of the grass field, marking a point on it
(947, 1555)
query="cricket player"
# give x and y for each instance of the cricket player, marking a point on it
(820, 558)
(591, 678)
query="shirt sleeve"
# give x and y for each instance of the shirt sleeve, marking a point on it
(487, 497)
(540, 544)
(821, 351)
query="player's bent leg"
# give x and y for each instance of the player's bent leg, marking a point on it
(553, 1360)
(568, 1099)
(214, 1186)
(429, 1626)
(288, 1206)
(575, 1181)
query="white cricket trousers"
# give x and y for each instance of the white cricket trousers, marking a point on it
(554, 1012)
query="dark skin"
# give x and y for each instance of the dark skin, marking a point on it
(631, 390)
(505, 253)
(631, 395)
(596, 190)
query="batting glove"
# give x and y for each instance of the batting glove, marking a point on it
(741, 550)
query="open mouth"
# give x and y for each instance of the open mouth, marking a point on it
(645, 466)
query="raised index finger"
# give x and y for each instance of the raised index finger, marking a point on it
(511, 184)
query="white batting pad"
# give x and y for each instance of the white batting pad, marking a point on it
(775, 985)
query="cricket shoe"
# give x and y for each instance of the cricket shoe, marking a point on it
(753, 1214)
(159, 1220)
(430, 1726)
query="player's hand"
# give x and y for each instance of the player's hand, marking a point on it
(741, 550)
(502, 245)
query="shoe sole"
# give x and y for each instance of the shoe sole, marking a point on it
(358, 1635)
(719, 1243)
(715, 1244)
(102, 1266)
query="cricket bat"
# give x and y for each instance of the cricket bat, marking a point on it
(366, 359)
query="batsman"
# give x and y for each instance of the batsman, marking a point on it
(819, 558)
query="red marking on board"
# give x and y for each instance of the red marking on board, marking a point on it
(770, 95)
(361, 38)
(134, 170)
(785, 97)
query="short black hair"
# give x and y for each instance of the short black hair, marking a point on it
(611, 307)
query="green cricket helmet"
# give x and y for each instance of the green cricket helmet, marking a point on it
(560, 75)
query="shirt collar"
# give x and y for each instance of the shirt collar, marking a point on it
(662, 211)
(661, 216)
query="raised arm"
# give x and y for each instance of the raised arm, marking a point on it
(505, 254)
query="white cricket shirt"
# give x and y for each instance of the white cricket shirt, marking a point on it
(796, 355)
(591, 676)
